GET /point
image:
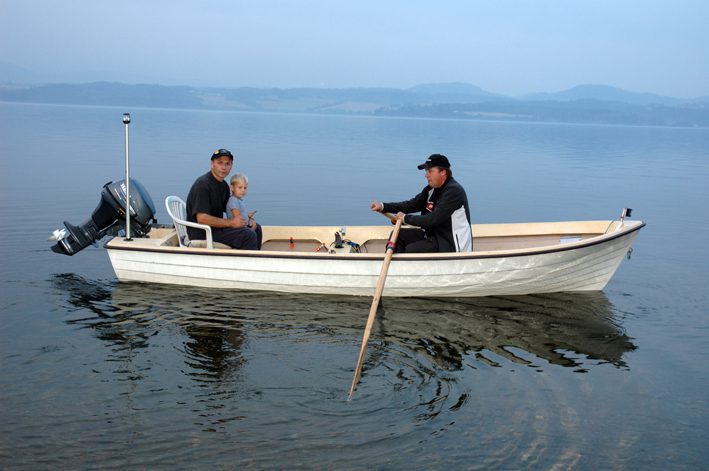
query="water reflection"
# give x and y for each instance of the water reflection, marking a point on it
(566, 329)
(269, 367)
(212, 352)
(569, 330)
(94, 297)
(431, 350)
(127, 316)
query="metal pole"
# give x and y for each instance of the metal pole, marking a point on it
(126, 121)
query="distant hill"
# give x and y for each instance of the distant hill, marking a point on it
(105, 94)
(576, 111)
(605, 93)
(323, 100)
(582, 104)
(454, 92)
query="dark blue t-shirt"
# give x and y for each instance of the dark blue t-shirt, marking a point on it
(207, 195)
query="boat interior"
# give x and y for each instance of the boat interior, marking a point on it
(373, 239)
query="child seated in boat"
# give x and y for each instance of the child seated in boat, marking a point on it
(236, 207)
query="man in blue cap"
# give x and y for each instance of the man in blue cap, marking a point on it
(443, 224)
(206, 203)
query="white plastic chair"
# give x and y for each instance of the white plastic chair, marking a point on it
(177, 210)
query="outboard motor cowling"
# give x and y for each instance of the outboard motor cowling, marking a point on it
(108, 218)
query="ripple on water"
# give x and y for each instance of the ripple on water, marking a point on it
(270, 373)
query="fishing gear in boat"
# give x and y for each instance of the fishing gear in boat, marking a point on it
(342, 245)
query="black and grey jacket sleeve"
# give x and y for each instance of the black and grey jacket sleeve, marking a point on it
(444, 216)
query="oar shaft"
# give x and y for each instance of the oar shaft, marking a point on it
(389, 216)
(375, 304)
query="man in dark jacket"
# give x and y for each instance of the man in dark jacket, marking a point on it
(444, 221)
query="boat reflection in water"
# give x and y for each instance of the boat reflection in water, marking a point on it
(128, 316)
(565, 329)
(271, 372)
(574, 330)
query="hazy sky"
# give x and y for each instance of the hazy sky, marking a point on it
(503, 46)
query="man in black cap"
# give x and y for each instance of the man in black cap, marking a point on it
(444, 221)
(206, 203)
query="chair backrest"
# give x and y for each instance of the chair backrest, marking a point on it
(177, 209)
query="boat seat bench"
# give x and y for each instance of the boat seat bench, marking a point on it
(299, 245)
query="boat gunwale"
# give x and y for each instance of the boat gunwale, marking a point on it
(442, 256)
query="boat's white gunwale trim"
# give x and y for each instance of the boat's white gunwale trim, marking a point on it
(601, 239)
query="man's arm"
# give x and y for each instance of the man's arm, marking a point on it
(415, 204)
(235, 222)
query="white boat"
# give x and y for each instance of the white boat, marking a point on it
(508, 259)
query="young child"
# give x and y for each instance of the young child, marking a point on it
(236, 207)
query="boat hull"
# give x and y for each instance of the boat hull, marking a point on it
(585, 265)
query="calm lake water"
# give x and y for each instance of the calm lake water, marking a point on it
(100, 374)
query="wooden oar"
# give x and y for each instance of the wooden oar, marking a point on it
(389, 216)
(375, 304)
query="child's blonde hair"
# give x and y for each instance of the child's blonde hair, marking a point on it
(240, 178)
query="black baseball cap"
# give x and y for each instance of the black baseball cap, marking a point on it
(221, 153)
(435, 160)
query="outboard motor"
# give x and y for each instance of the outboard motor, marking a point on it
(108, 218)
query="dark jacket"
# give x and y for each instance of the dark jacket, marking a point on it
(445, 215)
